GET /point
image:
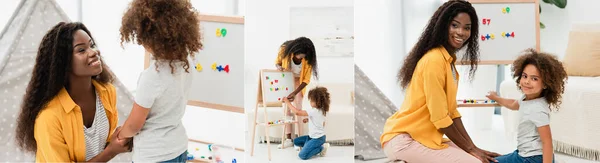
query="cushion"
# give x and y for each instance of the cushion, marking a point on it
(583, 53)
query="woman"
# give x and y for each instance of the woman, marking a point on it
(69, 109)
(298, 56)
(414, 133)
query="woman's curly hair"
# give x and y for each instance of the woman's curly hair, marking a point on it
(436, 34)
(169, 28)
(50, 74)
(303, 45)
(552, 74)
(321, 98)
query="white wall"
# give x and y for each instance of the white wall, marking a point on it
(379, 44)
(554, 37)
(268, 27)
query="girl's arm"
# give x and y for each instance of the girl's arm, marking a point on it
(135, 122)
(547, 150)
(508, 103)
(294, 109)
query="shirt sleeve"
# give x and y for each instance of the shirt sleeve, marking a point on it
(148, 88)
(540, 118)
(308, 72)
(434, 79)
(51, 144)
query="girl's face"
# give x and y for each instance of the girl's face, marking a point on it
(531, 82)
(313, 104)
(459, 30)
(86, 58)
(300, 56)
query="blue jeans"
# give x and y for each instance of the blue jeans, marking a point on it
(181, 158)
(310, 146)
(515, 158)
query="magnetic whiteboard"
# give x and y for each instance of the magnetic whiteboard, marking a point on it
(275, 85)
(332, 32)
(219, 84)
(520, 17)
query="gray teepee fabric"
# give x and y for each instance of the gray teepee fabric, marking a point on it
(371, 110)
(19, 42)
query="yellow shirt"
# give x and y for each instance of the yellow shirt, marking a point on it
(430, 102)
(305, 73)
(59, 126)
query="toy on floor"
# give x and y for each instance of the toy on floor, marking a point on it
(472, 101)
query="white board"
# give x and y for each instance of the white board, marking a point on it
(522, 18)
(275, 85)
(332, 33)
(211, 85)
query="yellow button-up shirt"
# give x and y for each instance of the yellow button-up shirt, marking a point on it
(59, 126)
(429, 104)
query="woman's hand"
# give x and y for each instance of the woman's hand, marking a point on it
(484, 156)
(117, 145)
(305, 120)
(291, 96)
(492, 95)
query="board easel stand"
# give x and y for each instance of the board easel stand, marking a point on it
(502, 63)
(261, 103)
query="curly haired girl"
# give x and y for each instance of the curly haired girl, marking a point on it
(541, 78)
(169, 30)
(313, 143)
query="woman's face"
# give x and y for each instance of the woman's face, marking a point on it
(459, 30)
(300, 56)
(86, 58)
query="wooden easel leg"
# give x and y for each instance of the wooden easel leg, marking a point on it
(254, 130)
(267, 134)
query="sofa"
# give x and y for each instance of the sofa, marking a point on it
(576, 126)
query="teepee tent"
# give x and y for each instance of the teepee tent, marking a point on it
(19, 42)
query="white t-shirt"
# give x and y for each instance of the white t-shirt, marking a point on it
(96, 135)
(296, 68)
(534, 113)
(316, 119)
(163, 136)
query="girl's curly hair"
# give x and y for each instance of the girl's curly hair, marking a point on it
(169, 28)
(50, 74)
(321, 98)
(552, 74)
(436, 34)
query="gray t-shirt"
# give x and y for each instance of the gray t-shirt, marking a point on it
(533, 114)
(163, 136)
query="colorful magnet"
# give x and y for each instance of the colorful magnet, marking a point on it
(487, 36)
(503, 34)
(220, 68)
(482, 38)
(484, 21)
(507, 35)
(286, 88)
(276, 81)
(223, 32)
(271, 83)
(271, 89)
(267, 77)
(492, 36)
(226, 68)
(488, 21)
(512, 34)
(504, 10)
(282, 75)
(198, 67)
(279, 99)
(508, 10)
(214, 66)
(276, 89)
(218, 32)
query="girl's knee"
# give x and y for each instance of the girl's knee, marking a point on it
(303, 156)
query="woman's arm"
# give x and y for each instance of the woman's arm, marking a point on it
(508, 103)
(135, 122)
(547, 149)
(294, 109)
(295, 92)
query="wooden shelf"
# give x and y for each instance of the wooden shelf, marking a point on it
(479, 103)
(278, 124)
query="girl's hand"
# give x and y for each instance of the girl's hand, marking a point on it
(117, 145)
(492, 95)
(286, 100)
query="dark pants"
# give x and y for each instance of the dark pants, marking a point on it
(181, 158)
(515, 158)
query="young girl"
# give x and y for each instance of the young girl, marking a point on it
(170, 31)
(541, 78)
(314, 142)
(69, 110)
(298, 56)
